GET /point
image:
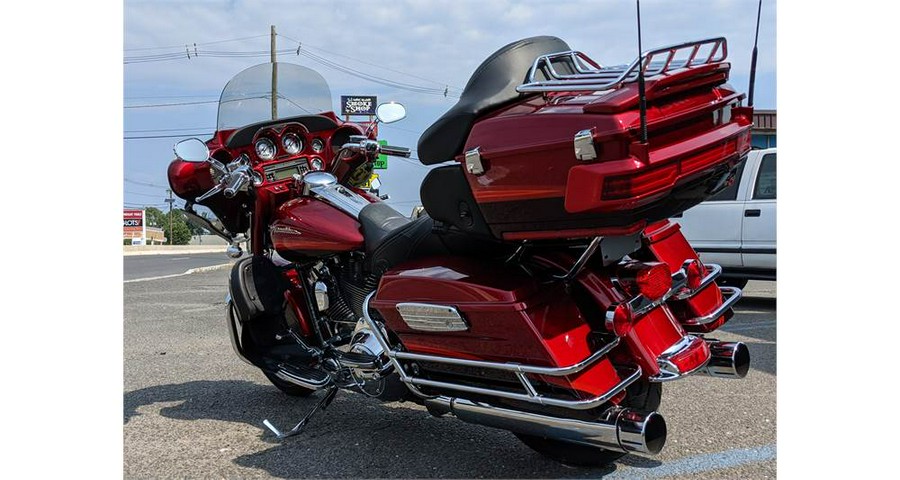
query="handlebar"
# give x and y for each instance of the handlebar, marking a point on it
(395, 151)
(235, 183)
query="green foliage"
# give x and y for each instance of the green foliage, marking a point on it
(181, 234)
(156, 218)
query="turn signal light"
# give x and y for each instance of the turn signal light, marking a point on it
(618, 319)
(630, 186)
(695, 272)
(651, 280)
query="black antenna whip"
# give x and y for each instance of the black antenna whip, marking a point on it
(641, 96)
(753, 58)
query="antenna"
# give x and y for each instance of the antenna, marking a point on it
(753, 59)
(641, 94)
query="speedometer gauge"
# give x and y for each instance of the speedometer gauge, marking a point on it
(265, 149)
(292, 143)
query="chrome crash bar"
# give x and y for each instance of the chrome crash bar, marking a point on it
(530, 395)
(590, 76)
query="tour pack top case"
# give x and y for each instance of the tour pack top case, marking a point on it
(548, 143)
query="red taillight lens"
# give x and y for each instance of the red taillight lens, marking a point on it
(695, 272)
(628, 186)
(651, 280)
(618, 319)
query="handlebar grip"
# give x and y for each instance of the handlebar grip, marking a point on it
(395, 151)
(237, 181)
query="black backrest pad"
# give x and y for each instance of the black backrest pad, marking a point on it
(493, 85)
(448, 199)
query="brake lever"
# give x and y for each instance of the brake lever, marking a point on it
(218, 188)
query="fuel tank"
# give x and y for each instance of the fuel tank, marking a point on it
(306, 227)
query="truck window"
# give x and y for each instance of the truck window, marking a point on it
(730, 192)
(765, 179)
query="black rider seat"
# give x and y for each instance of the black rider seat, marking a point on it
(392, 238)
(493, 85)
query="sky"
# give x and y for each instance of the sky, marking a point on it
(432, 45)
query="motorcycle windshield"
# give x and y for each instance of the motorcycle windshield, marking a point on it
(247, 98)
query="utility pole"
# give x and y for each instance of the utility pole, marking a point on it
(274, 74)
(170, 201)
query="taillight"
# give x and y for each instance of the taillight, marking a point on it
(618, 319)
(628, 186)
(652, 280)
(695, 272)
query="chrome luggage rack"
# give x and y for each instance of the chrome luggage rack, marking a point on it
(591, 76)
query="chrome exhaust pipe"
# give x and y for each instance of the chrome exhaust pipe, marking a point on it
(620, 429)
(728, 360)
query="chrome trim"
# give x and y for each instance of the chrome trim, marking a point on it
(520, 370)
(668, 371)
(734, 294)
(590, 76)
(582, 260)
(728, 360)
(583, 404)
(320, 291)
(584, 146)
(713, 272)
(340, 197)
(303, 382)
(511, 367)
(641, 305)
(432, 318)
(621, 429)
(473, 161)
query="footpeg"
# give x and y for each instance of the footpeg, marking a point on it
(322, 404)
(303, 376)
(358, 360)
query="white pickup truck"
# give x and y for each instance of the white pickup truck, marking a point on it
(736, 227)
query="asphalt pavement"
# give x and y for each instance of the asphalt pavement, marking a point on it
(193, 409)
(151, 267)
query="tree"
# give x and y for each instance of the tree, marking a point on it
(180, 234)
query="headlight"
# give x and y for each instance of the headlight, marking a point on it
(265, 149)
(316, 164)
(292, 143)
(318, 145)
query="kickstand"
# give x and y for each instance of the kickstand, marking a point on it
(323, 404)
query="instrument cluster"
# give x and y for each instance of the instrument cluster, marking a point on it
(286, 142)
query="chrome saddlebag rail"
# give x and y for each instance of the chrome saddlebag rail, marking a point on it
(530, 395)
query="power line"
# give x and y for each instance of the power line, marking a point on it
(179, 104)
(300, 45)
(142, 194)
(144, 183)
(202, 43)
(169, 129)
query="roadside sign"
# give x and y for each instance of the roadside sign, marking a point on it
(381, 162)
(358, 104)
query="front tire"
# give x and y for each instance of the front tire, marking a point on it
(288, 388)
(642, 395)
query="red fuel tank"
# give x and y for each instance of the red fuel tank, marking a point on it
(306, 227)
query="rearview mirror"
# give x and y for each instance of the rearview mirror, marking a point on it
(390, 112)
(192, 150)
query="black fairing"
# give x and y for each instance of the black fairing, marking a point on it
(492, 86)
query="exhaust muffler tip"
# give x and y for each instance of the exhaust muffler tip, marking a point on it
(642, 432)
(728, 360)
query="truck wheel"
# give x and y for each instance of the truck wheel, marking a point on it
(642, 395)
(288, 388)
(732, 282)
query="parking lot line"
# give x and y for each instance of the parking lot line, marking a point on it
(700, 463)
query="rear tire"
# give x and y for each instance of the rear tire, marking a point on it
(642, 395)
(288, 388)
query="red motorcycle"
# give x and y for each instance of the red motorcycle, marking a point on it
(543, 292)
